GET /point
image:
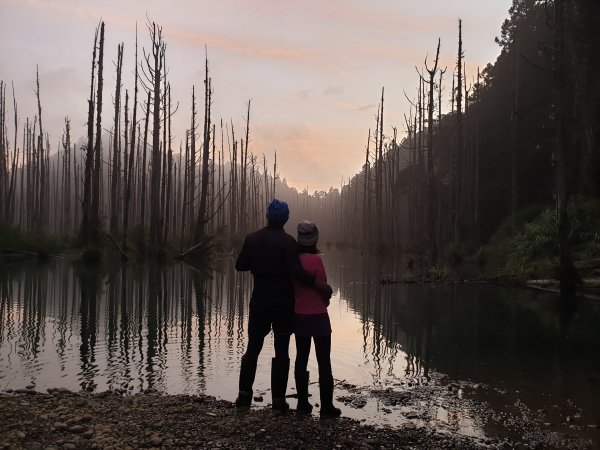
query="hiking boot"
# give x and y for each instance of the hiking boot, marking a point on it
(247, 374)
(326, 394)
(302, 381)
(280, 368)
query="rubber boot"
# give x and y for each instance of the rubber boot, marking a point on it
(280, 368)
(304, 406)
(326, 394)
(247, 374)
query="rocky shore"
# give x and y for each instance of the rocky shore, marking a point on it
(61, 419)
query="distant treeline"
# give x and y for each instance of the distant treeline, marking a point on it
(125, 181)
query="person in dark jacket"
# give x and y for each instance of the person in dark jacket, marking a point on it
(272, 256)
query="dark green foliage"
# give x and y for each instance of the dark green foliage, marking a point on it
(35, 242)
(532, 250)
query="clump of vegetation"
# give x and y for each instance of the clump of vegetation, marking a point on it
(12, 238)
(532, 249)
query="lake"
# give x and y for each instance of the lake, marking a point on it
(474, 359)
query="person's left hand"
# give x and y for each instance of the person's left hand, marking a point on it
(325, 291)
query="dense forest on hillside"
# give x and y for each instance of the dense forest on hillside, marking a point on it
(514, 163)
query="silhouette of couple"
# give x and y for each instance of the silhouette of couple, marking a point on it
(290, 295)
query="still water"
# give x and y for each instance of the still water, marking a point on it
(474, 359)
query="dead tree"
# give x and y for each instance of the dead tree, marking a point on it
(244, 163)
(568, 276)
(191, 187)
(95, 194)
(274, 174)
(155, 75)
(458, 148)
(202, 213)
(129, 172)
(86, 204)
(66, 185)
(42, 194)
(116, 156)
(144, 173)
(379, 176)
(430, 177)
(367, 189)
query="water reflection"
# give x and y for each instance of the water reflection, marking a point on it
(139, 327)
(181, 329)
(530, 347)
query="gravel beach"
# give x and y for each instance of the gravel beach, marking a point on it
(60, 419)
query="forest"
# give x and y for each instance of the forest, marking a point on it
(509, 177)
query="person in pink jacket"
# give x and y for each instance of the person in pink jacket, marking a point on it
(311, 323)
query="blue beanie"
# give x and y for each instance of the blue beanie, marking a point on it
(278, 212)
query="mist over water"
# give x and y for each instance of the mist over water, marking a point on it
(432, 353)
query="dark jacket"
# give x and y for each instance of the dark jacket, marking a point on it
(272, 256)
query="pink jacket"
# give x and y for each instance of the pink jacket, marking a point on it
(307, 299)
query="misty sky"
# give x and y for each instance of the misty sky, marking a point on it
(313, 69)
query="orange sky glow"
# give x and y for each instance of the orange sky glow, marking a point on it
(314, 70)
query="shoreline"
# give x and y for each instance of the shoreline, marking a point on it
(110, 420)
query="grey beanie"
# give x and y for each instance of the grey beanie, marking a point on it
(308, 233)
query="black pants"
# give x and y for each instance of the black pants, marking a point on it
(260, 321)
(322, 351)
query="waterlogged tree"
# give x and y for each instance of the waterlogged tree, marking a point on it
(154, 72)
(91, 181)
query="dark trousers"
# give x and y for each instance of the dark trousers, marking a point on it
(260, 322)
(322, 351)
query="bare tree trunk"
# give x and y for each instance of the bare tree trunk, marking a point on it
(201, 222)
(366, 191)
(568, 275)
(116, 156)
(274, 173)
(457, 166)
(4, 156)
(477, 131)
(514, 134)
(267, 196)
(186, 180)
(129, 172)
(192, 163)
(155, 67)
(244, 161)
(430, 178)
(379, 170)
(43, 192)
(233, 184)
(95, 212)
(85, 234)
(144, 172)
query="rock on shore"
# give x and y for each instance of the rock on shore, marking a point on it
(110, 420)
